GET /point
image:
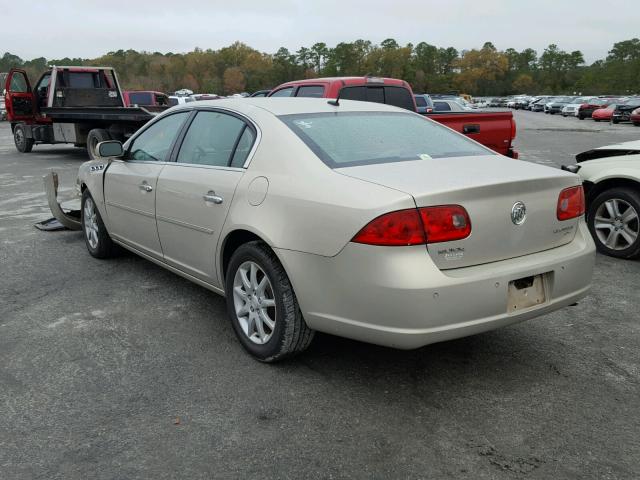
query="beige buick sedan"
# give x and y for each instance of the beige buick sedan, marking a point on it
(356, 219)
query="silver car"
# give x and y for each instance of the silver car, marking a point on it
(352, 218)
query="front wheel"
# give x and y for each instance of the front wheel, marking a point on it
(637, 124)
(614, 221)
(96, 237)
(23, 144)
(262, 306)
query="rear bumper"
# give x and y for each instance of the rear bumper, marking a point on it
(397, 297)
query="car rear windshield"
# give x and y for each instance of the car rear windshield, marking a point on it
(346, 139)
(396, 96)
(141, 98)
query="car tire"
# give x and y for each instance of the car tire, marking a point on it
(615, 121)
(23, 144)
(94, 137)
(596, 119)
(637, 124)
(95, 233)
(288, 333)
(623, 202)
(580, 117)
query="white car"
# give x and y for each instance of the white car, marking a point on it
(611, 179)
(352, 218)
(572, 109)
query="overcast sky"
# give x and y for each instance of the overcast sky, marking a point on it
(85, 28)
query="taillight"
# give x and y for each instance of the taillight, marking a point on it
(570, 203)
(513, 129)
(444, 223)
(403, 227)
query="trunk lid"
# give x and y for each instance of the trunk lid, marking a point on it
(488, 187)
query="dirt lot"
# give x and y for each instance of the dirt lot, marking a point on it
(120, 369)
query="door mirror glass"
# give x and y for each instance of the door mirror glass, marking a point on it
(110, 148)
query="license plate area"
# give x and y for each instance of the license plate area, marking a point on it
(525, 293)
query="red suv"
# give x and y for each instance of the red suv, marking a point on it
(370, 89)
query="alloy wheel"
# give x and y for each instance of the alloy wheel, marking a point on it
(616, 224)
(90, 223)
(254, 302)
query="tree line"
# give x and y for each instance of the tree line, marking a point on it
(486, 71)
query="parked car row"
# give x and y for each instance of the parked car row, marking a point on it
(604, 108)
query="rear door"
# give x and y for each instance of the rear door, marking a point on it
(195, 192)
(19, 98)
(130, 184)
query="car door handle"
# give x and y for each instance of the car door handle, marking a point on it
(212, 197)
(145, 186)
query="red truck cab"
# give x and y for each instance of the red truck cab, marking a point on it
(495, 130)
(369, 89)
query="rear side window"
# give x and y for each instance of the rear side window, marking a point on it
(421, 102)
(173, 102)
(441, 107)
(211, 139)
(361, 138)
(314, 91)
(244, 147)
(285, 92)
(83, 80)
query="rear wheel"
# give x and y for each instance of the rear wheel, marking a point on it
(262, 306)
(94, 137)
(614, 221)
(23, 144)
(615, 121)
(637, 124)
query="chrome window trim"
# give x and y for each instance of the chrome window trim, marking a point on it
(191, 107)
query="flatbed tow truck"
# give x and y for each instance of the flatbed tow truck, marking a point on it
(80, 105)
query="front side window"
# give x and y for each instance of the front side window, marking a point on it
(285, 92)
(211, 139)
(154, 144)
(313, 91)
(19, 83)
(361, 138)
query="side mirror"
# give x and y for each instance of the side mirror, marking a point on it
(110, 148)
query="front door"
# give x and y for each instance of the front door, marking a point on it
(19, 98)
(130, 185)
(194, 194)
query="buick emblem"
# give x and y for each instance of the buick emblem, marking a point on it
(518, 213)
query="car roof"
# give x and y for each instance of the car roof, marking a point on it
(364, 80)
(288, 106)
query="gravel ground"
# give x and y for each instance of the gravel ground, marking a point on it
(120, 369)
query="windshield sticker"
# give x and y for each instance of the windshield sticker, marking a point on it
(303, 123)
